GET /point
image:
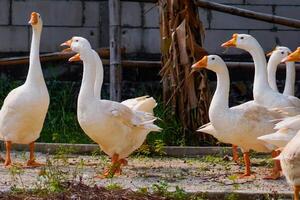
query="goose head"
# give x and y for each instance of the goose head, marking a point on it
(241, 41)
(279, 53)
(79, 45)
(295, 56)
(36, 21)
(212, 62)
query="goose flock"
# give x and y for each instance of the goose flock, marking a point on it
(268, 123)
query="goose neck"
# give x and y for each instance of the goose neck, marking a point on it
(220, 100)
(289, 87)
(99, 75)
(272, 68)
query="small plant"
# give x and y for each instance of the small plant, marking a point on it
(160, 188)
(16, 172)
(179, 194)
(143, 190)
(159, 147)
(114, 186)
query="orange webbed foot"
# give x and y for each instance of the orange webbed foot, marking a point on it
(246, 176)
(273, 176)
(33, 163)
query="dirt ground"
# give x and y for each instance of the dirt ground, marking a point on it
(209, 173)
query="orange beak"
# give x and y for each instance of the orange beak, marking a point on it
(269, 54)
(67, 43)
(33, 19)
(293, 57)
(75, 58)
(200, 64)
(232, 42)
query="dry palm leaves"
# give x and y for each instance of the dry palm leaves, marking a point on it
(181, 39)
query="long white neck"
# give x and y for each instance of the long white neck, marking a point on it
(289, 87)
(272, 68)
(99, 75)
(86, 92)
(35, 73)
(219, 103)
(260, 84)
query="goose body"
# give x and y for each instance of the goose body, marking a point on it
(239, 125)
(24, 109)
(290, 156)
(118, 129)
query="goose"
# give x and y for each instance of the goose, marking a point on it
(24, 109)
(290, 156)
(279, 53)
(290, 164)
(263, 94)
(285, 129)
(239, 125)
(118, 129)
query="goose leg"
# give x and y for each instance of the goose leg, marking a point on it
(276, 169)
(247, 165)
(110, 172)
(235, 154)
(296, 192)
(31, 162)
(7, 162)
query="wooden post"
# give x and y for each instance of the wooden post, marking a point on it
(115, 53)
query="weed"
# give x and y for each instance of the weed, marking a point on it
(232, 196)
(114, 186)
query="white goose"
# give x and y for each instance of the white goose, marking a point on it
(276, 56)
(240, 125)
(290, 156)
(24, 109)
(286, 128)
(263, 94)
(117, 129)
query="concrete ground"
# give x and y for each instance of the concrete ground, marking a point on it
(205, 174)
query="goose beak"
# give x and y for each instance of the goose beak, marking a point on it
(75, 58)
(67, 43)
(200, 64)
(269, 54)
(34, 18)
(293, 57)
(231, 42)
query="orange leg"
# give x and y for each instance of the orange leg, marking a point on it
(31, 162)
(247, 165)
(7, 162)
(276, 169)
(296, 192)
(235, 154)
(110, 172)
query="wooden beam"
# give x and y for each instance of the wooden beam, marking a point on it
(115, 54)
(56, 56)
(249, 14)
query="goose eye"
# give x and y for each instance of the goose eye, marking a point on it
(242, 38)
(282, 52)
(76, 40)
(213, 58)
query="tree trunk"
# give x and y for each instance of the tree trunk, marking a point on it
(181, 34)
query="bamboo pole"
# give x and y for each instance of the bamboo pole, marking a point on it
(249, 14)
(115, 53)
